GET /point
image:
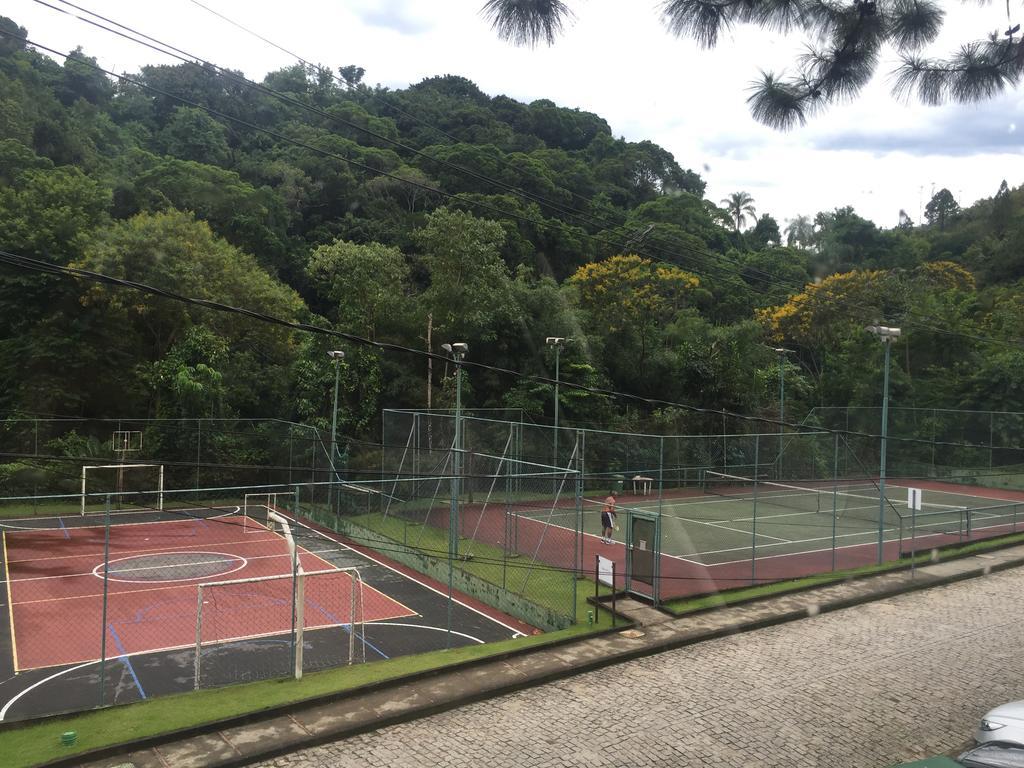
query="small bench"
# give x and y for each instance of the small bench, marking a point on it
(642, 485)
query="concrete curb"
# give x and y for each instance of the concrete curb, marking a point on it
(337, 716)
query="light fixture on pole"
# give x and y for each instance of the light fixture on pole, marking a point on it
(781, 352)
(457, 351)
(558, 342)
(336, 355)
(887, 336)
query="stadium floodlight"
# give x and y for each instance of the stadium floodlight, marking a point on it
(457, 350)
(884, 332)
(337, 356)
(887, 336)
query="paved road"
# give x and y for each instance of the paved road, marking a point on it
(863, 688)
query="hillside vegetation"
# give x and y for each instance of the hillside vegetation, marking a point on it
(435, 214)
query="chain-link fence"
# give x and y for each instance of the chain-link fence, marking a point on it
(44, 456)
(464, 502)
(178, 589)
(971, 447)
(744, 508)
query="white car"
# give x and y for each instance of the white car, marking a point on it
(1004, 723)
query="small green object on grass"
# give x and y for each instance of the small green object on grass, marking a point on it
(68, 738)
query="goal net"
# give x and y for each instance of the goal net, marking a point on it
(129, 486)
(261, 511)
(278, 626)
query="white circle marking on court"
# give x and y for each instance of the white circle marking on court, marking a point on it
(242, 562)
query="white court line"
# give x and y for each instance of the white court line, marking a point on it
(26, 579)
(242, 563)
(78, 516)
(734, 530)
(799, 541)
(595, 536)
(808, 551)
(426, 626)
(515, 632)
(138, 553)
(7, 706)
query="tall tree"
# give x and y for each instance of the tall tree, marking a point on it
(941, 208)
(846, 43)
(739, 205)
(800, 232)
(765, 233)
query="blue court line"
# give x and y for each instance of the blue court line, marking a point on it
(347, 627)
(125, 659)
(66, 534)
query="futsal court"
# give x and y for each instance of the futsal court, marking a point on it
(79, 599)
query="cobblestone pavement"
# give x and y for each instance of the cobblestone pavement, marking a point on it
(863, 687)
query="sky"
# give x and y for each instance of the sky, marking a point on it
(876, 153)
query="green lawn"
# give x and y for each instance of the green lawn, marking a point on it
(539, 583)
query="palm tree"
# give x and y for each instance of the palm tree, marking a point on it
(737, 204)
(800, 231)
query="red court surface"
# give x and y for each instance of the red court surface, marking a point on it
(56, 589)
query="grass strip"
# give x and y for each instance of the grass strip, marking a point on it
(39, 741)
(539, 583)
(686, 605)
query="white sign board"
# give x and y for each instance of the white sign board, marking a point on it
(606, 571)
(914, 498)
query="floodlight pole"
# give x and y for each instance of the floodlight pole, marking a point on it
(887, 335)
(557, 342)
(781, 352)
(458, 352)
(337, 356)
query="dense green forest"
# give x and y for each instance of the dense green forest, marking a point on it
(410, 218)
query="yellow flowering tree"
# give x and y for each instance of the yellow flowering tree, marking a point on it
(628, 299)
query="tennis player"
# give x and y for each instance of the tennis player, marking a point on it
(608, 516)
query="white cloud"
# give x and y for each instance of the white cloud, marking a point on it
(875, 154)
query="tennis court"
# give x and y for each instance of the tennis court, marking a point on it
(213, 585)
(729, 533)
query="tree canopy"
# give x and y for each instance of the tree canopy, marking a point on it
(406, 219)
(845, 45)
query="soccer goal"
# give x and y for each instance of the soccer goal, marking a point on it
(259, 510)
(263, 627)
(136, 486)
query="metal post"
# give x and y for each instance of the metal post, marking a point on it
(199, 448)
(458, 353)
(296, 611)
(197, 671)
(558, 350)
(886, 335)
(835, 495)
(991, 437)
(753, 524)
(334, 430)
(457, 463)
(782, 405)
(106, 585)
(881, 466)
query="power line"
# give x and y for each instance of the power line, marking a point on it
(703, 255)
(188, 58)
(27, 263)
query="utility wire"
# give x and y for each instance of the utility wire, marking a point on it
(27, 263)
(702, 255)
(696, 255)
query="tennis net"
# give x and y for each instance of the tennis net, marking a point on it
(844, 501)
